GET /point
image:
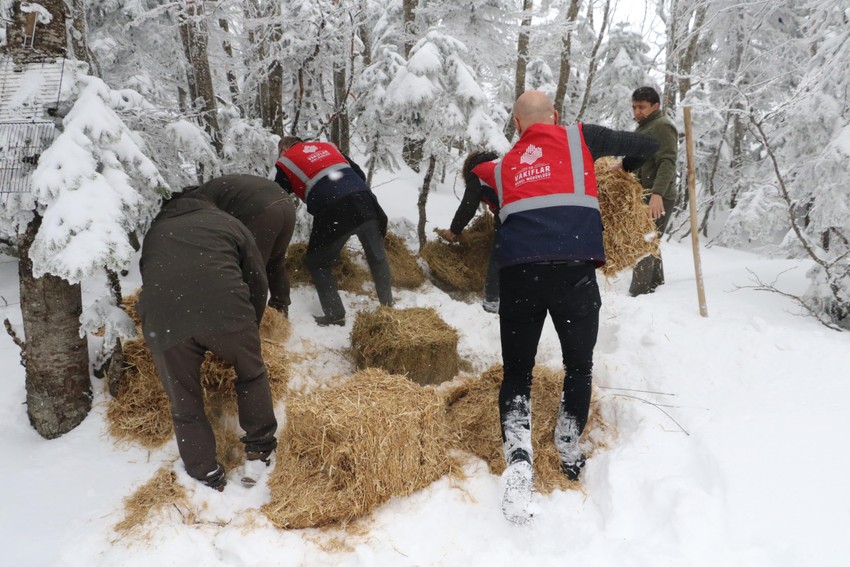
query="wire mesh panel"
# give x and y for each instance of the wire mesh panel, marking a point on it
(21, 145)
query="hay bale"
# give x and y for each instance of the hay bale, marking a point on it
(140, 413)
(462, 265)
(349, 449)
(350, 275)
(625, 217)
(473, 416)
(161, 491)
(405, 271)
(415, 342)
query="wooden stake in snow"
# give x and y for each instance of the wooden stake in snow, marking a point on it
(692, 205)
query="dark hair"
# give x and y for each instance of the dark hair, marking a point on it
(477, 157)
(287, 142)
(648, 94)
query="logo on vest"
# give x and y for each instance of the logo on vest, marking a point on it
(314, 154)
(531, 155)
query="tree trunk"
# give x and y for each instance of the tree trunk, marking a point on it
(56, 359)
(411, 149)
(78, 35)
(668, 98)
(409, 25)
(339, 124)
(423, 201)
(686, 63)
(521, 60)
(566, 49)
(195, 37)
(232, 81)
(594, 61)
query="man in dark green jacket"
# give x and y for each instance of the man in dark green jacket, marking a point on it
(657, 176)
(204, 289)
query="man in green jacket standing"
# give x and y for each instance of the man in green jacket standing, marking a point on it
(657, 176)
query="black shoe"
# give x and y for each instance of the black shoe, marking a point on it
(325, 320)
(216, 479)
(573, 470)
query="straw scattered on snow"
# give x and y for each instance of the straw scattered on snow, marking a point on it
(160, 492)
(473, 415)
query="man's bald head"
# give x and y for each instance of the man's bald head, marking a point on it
(534, 107)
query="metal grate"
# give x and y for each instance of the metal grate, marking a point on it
(21, 145)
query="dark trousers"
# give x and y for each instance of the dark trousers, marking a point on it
(179, 369)
(320, 258)
(272, 231)
(648, 273)
(570, 295)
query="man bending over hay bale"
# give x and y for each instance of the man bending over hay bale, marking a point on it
(204, 289)
(347, 450)
(480, 187)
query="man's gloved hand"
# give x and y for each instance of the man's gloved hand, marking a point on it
(280, 307)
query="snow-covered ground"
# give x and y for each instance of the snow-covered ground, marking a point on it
(733, 444)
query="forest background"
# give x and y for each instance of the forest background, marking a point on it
(159, 95)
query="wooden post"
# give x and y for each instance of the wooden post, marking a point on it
(692, 206)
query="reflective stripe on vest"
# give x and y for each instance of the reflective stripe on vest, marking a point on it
(308, 182)
(576, 198)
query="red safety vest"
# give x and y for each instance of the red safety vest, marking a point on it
(486, 173)
(548, 196)
(549, 166)
(307, 163)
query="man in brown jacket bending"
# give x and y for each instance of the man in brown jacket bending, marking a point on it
(204, 289)
(268, 212)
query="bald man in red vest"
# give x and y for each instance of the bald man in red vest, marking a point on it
(550, 245)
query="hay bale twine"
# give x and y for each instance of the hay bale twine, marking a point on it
(405, 271)
(140, 413)
(473, 416)
(415, 341)
(347, 450)
(629, 230)
(462, 265)
(350, 275)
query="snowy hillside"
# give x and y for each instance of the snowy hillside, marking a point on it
(732, 446)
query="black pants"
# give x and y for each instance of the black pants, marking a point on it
(570, 295)
(491, 283)
(321, 257)
(648, 273)
(179, 370)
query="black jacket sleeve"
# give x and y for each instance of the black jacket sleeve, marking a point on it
(468, 203)
(355, 167)
(636, 148)
(281, 179)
